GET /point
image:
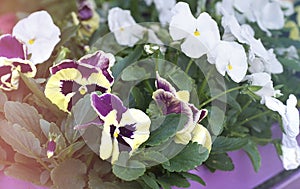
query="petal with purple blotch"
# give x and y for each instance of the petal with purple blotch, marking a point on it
(102, 61)
(163, 84)
(105, 103)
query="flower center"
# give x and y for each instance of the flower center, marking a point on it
(83, 90)
(196, 33)
(31, 41)
(230, 67)
(122, 29)
(116, 133)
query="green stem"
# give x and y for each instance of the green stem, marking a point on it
(254, 117)
(221, 94)
(189, 66)
(204, 83)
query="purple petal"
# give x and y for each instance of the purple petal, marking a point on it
(99, 60)
(64, 65)
(10, 47)
(196, 113)
(203, 114)
(85, 11)
(105, 103)
(25, 68)
(170, 104)
(84, 70)
(161, 83)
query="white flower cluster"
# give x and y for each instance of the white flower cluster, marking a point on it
(201, 36)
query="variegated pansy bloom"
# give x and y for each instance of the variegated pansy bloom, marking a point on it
(123, 129)
(12, 62)
(171, 101)
(71, 79)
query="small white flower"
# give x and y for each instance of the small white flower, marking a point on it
(127, 32)
(290, 52)
(230, 58)
(163, 8)
(201, 35)
(40, 35)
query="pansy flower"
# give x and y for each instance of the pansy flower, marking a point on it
(12, 62)
(123, 129)
(201, 34)
(126, 31)
(71, 79)
(171, 101)
(40, 35)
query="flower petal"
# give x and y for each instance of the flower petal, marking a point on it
(202, 136)
(106, 103)
(163, 84)
(10, 47)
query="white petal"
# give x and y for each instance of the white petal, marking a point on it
(193, 47)
(115, 152)
(292, 115)
(106, 147)
(290, 156)
(39, 33)
(183, 23)
(126, 30)
(142, 126)
(202, 136)
(272, 16)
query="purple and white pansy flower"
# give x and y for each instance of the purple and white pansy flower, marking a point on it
(71, 79)
(13, 61)
(171, 101)
(124, 129)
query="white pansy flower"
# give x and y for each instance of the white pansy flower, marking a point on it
(201, 34)
(230, 58)
(267, 57)
(290, 119)
(40, 35)
(127, 32)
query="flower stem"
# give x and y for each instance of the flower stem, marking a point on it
(189, 66)
(221, 94)
(254, 117)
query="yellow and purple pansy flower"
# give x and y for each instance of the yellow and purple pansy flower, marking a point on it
(71, 79)
(171, 101)
(13, 61)
(124, 129)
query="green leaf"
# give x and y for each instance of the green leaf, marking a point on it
(83, 112)
(128, 60)
(193, 177)
(151, 158)
(134, 73)
(70, 150)
(150, 181)
(36, 90)
(290, 63)
(189, 158)
(216, 120)
(253, 153)
(128, 170)
(69, 174)
(25, 116)
(23, 172)
(168, 129)
(20, 139)
(224, 144)
(254, 88)
(220, 162)
(174, 179)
